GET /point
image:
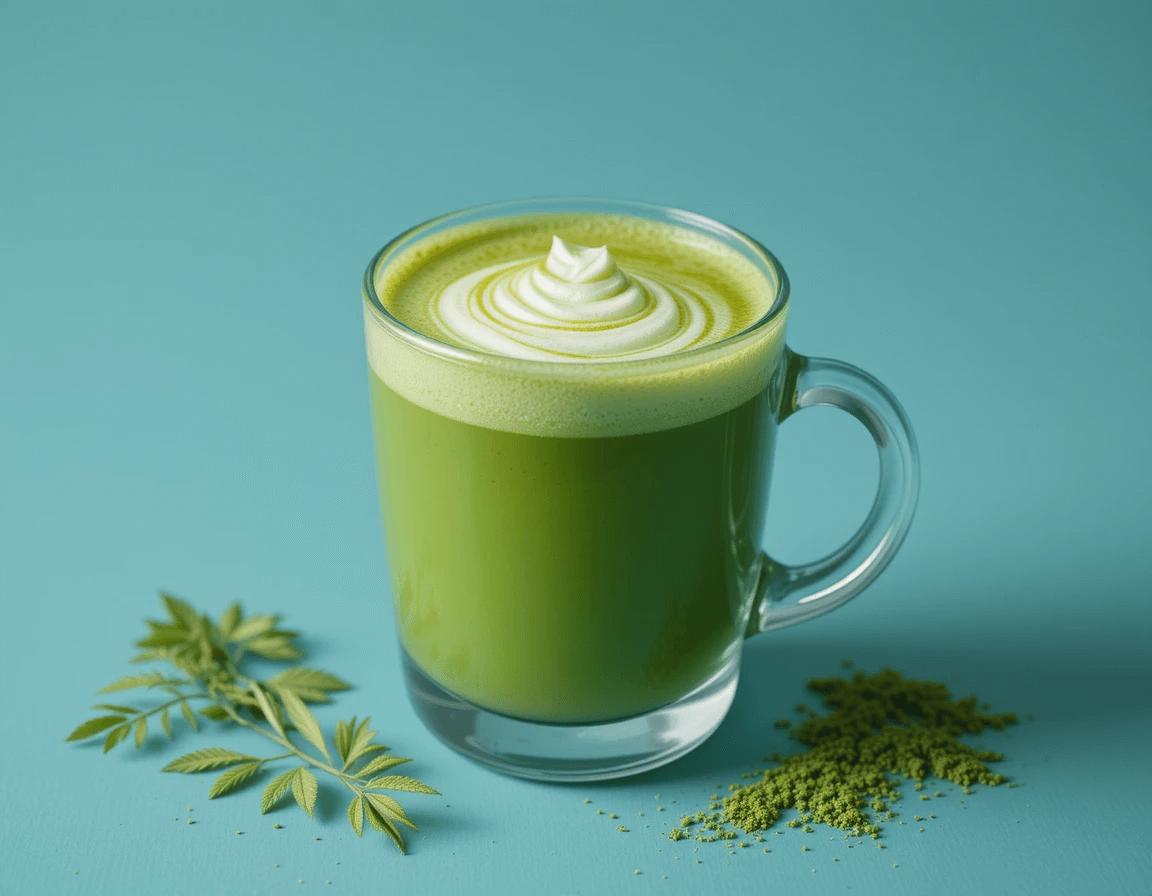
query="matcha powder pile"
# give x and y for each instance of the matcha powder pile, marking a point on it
(882, 727)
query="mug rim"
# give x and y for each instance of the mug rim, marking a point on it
(752, 248)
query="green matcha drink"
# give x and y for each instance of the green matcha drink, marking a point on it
(573, 418)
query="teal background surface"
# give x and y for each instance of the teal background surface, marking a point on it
(189, 193)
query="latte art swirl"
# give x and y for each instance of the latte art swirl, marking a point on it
(575, 305)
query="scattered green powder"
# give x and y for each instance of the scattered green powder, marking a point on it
(881, 727)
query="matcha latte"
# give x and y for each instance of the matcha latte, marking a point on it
(573, 416)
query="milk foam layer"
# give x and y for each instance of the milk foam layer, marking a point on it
(649, 388)
(576, 305)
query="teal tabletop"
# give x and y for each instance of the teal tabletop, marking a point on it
(189, 195)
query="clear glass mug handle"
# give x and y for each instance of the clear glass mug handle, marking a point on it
(786, 595)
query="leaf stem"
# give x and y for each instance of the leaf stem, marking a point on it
(172, 702)
(226, 705)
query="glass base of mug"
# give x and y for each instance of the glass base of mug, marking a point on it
(592, 752)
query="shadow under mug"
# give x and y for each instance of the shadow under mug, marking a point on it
(572, 606)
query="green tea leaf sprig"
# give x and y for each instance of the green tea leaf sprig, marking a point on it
(207, 658)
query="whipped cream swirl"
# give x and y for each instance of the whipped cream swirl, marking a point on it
(575, 305)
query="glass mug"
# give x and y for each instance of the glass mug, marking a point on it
(574, 549)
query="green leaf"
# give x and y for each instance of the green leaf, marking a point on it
(356, 815)
(229, 620)
(305, 788)
(400, 782)
(308, 695)
(343, 738)
(369, 750)
(379, 764)
(304, 721)
(274, 647)
(253, 626)
(148, 656)
(267, 708)
(181, 612)
(233, 779)
(148, 680)
(165, 723)
(299, 678)
(111, 707)
(240, 695)
(390, 808)
(214, 712)
(206, 760)
(362, 743)
(115, 736)
(189, 716)
(275, 791)
(94, 726)
(381, 823)
(163, 635)
(204, 629)
(141, 731)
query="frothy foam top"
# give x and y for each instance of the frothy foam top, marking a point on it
(575, 305)
(621, 299)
